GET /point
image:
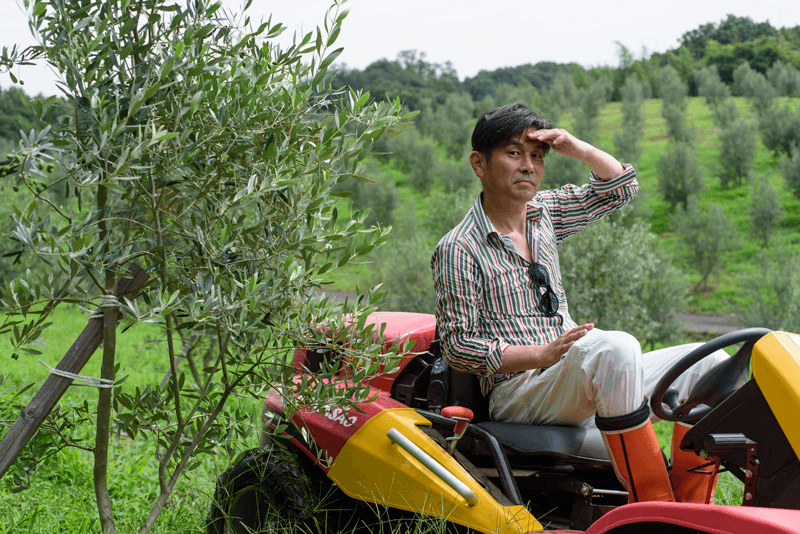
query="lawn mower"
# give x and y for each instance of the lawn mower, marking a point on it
(425, 447)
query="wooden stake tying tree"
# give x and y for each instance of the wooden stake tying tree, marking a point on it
(57, 383)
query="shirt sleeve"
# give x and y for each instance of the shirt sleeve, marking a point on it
(572, 208)
(459, 290)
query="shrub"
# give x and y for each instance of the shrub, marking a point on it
(764, 207)
(705, 236)
(616, 276)
(680, 175)
(773, 291)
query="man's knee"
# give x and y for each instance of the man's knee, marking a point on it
(616, 351)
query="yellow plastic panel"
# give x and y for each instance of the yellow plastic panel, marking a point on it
(372, 468)
(776, 368)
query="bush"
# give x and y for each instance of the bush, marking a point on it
(765, 208)
(705, 237)
(616, 276)
(680, 175)
(773, 291)
(738, 141)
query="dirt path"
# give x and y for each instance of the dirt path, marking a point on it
(707, 324)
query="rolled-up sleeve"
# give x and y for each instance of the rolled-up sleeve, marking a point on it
(459, 287)
(572, 208)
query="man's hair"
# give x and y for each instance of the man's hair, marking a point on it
(498, 126)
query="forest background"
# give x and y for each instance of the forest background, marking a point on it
(713, 128)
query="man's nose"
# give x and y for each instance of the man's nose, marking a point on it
(527, 166)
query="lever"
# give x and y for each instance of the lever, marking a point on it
(462, 416)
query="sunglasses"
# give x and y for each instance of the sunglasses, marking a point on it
(548, 302)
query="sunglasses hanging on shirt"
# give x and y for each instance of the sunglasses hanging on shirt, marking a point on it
(548, 302)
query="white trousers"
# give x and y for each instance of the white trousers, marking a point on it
(604, 373)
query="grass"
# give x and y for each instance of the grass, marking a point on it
(60, 497)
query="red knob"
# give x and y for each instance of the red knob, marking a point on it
(457, 412)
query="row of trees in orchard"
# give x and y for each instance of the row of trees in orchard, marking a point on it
(753, 109)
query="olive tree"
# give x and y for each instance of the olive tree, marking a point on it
(674, 92)
(738, 141)
(627, 139)
(619, 278)
(705, 237)
(680, 175)
(764, 208)
(790, 169)
(194, 146)
(773, 291)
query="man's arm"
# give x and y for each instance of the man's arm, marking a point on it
(456, 281)
(604, 165)
(525, 357)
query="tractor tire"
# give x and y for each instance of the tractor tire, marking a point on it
(271, 489)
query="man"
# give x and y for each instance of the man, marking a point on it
(502, 312)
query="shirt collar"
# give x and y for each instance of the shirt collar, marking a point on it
(484, 224)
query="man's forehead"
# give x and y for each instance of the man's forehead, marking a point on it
(522, 140)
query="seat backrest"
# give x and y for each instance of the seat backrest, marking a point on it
(449, 387)
(465, 390)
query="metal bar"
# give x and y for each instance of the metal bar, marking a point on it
(508, 483)
(435, 467)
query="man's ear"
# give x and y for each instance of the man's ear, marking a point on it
(478, 163)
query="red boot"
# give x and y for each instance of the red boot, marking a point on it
(693, 479)
(636, 455)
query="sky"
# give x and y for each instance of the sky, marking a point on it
(473, 35)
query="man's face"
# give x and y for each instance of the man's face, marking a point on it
(514, 172)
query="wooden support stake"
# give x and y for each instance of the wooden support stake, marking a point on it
(54, 387)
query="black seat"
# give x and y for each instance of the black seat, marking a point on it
(463, 389)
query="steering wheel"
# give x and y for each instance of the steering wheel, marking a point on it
(719, 383)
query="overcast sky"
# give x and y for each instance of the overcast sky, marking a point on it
(476, 35)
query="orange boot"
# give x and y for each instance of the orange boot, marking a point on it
(697, 485)
(636, 455)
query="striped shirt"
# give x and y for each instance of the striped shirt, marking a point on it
(485, 299)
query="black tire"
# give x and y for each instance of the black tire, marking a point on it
(269, 489)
